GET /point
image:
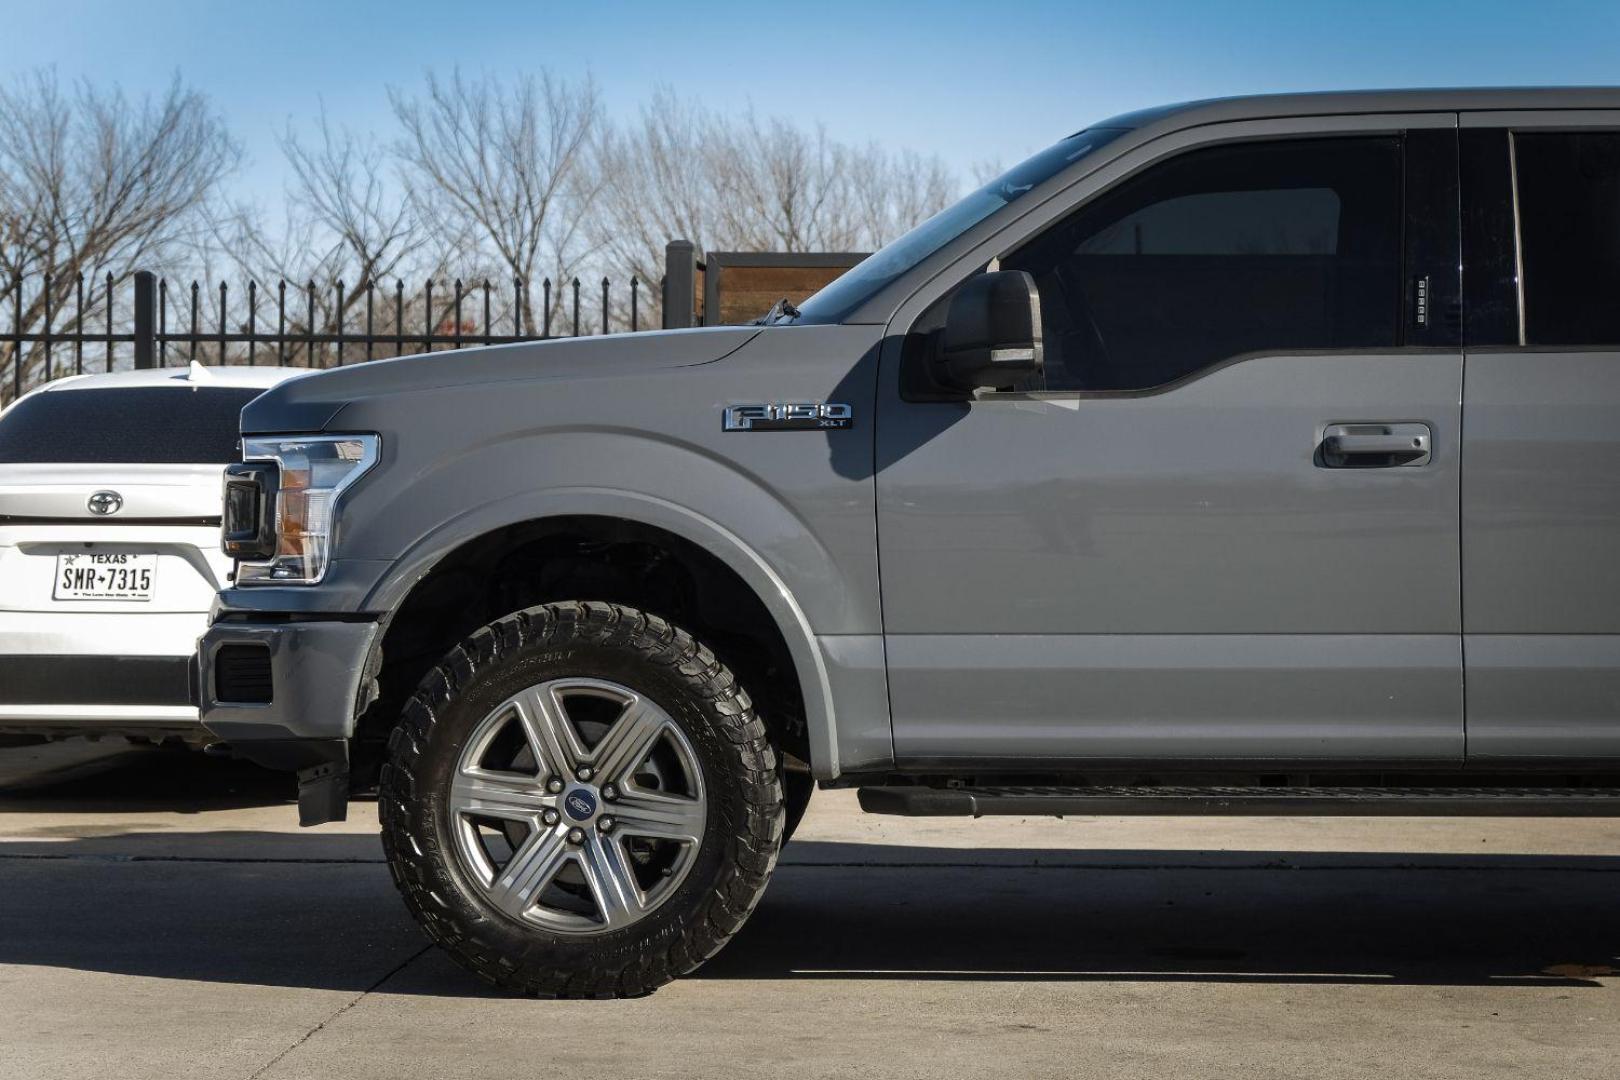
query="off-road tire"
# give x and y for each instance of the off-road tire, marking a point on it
(742, 833)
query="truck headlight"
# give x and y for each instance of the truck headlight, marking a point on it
(311, 473)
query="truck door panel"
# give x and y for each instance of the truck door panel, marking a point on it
(1147, 557)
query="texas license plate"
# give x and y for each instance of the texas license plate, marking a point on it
(84, 575)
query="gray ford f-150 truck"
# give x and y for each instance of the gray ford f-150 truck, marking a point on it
(1257, 455)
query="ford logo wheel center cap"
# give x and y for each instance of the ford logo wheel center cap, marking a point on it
(580, 804)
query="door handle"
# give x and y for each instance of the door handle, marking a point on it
(1375, 446)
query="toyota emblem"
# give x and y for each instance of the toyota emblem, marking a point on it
(106, 502)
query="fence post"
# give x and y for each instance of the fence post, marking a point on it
(680, 284)
(145, 319)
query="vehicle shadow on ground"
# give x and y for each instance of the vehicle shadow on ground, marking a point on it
(76, 776)
(1183, 916)
(319, 911)
(316, 908)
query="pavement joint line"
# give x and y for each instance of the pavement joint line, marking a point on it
(351, 1003)
(1529, 866)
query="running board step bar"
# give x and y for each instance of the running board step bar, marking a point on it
(1240, 801)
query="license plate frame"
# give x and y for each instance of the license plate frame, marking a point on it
(101, 576)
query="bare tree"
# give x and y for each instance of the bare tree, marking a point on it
(92, 183)
(501, 167)
(888, 193)
(749, 184)
(986, 170)
(483, 182)
(651, 189)
(347, 230)
(778, 187)
(341, 182)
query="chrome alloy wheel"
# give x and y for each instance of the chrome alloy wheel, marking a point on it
(578, 806)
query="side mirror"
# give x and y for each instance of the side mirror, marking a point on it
(992, 335)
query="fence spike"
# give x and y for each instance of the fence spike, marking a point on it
(458, 313)
(222, 324)
(109, 320)
(16, 343)
(50, 289)
(427, 317)
(163, 322)
(78, 324)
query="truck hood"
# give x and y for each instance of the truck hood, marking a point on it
(312, 403)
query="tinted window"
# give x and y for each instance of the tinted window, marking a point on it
(1235, 249)
(1569, 236)
(135, 424)
(1490, 241)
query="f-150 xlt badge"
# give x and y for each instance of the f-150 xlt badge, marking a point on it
(789, 416)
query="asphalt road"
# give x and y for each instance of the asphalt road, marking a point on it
(162, 916)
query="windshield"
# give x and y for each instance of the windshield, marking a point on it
(895, 259)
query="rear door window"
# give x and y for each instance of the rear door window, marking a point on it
(1568, 187)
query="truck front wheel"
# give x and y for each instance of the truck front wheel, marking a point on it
(579, 801)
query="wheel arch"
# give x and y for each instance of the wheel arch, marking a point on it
(603, 512)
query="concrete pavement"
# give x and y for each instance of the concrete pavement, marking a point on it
(162, 916)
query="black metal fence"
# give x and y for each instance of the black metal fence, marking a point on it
(64, 328)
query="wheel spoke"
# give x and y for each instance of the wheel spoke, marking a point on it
(658, 816)
(495, 794)
(552, 738)
(629, 741)
(534, 864)
(613, 884)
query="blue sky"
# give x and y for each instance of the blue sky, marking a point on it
(969, 81)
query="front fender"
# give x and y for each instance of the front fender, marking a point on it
(792, 513)
(802, 500)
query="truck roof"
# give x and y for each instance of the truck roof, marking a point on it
(1341, 102)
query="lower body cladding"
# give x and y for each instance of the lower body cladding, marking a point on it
(284, 695)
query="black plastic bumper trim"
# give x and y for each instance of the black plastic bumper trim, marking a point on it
(95, 680)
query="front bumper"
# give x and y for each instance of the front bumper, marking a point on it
(285, 694)
(102, 695)
(103, 673)
(317, 673)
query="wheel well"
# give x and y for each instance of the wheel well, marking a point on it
(585, 558)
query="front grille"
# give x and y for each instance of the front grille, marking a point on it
(242, 675)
